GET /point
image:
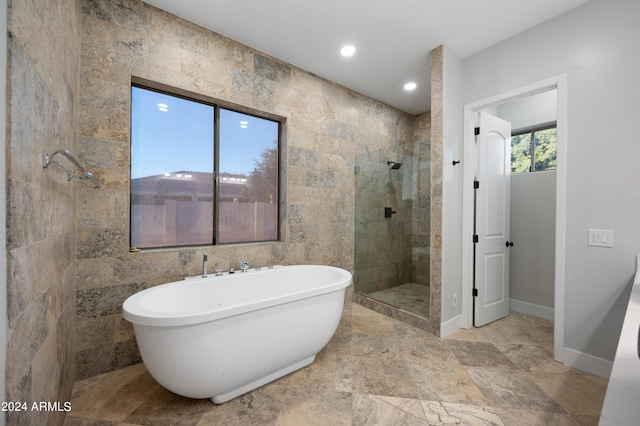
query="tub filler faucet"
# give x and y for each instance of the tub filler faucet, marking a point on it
(204, 265)
(244, 266)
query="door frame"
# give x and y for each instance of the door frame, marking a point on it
(470, 110)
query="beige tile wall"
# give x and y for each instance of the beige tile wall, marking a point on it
(437, 141)
(421, 226)
(326, 126)
(394, 251)
(42, 117)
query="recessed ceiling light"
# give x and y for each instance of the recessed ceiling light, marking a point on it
(348, 50)
(410, 86)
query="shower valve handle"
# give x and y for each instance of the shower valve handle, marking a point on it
(388, 212)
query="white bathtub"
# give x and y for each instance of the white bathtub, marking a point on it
(222, 336)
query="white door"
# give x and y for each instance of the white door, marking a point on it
(491, 284)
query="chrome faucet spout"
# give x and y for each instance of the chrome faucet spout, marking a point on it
(204, 265)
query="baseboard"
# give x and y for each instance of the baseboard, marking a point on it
(531, 309)
(589, 363)
(448, 327)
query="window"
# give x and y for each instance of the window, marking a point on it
(534, 150)
(200, 174)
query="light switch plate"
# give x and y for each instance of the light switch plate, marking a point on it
(600, 238)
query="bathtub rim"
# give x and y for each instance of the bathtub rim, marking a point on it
(134, 313)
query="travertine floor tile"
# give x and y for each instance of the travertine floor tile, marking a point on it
(445, 381)
(113, 396)
(260, 407)
(421, 347)
(385, 410)
(480, 354)
(327, 371)
(533, 358)
(505, 387)
(410, 297)
(446, 413)
(316, 406)
(165, 407)
(512, 416)
(369, 322)
(383, 376)
(378, 371)
(375, 345)
(581, 394)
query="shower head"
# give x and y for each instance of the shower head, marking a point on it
(393, 165)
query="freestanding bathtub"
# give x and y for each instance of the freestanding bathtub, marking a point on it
(222, 336)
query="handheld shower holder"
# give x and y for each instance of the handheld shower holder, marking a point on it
(85, 174)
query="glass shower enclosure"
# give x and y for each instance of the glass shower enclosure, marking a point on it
(392, 226)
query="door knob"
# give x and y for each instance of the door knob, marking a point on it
(509, 244)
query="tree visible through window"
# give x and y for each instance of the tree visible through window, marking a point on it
(534, 150)
(200, 174)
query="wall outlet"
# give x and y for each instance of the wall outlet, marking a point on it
(600, 238)
(455, 300)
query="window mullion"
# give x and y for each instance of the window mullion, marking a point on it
(216, 173)
(532, 152)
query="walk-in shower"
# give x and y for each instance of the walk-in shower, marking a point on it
(392, 229)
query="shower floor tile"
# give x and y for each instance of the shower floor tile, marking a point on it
(378, 371)
(411, 297)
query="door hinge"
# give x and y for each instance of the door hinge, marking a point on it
(356, 170)
(476, 131)
(475, 292)
(476, 184)
(475, 238)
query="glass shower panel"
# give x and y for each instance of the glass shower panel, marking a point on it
(390, 244)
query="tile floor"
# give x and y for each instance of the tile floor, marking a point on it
(378, 371)
(411, 297)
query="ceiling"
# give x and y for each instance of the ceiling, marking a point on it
(393, 39)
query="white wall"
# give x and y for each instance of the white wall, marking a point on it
(596, 47)
(533, 210)
(451, 187)
(531, 111)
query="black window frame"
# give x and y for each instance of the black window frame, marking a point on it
(217, 106)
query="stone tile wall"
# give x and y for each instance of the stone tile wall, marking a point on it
(383, 245)
(326, 127)
(397, 250)
(437, 143)
(421, 225)
(42, 116)
(394, 251)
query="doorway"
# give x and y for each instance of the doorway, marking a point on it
(470, 111)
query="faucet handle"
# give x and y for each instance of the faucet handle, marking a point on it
(244, 266)
(218, 272)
